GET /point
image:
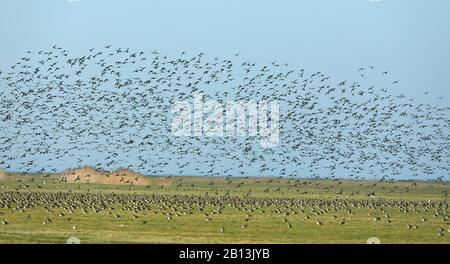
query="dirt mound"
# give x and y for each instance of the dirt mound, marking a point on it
(5, 176)
(92, 175)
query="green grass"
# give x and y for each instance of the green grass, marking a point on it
(265, 206)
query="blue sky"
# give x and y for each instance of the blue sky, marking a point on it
(409, 38)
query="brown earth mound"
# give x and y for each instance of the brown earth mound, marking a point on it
(5, 176)
(92, 175)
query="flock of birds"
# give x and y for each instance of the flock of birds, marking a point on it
(142, 209)
(111, 108)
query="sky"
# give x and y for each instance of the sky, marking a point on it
(409, 38)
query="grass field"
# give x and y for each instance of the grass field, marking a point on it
(40, 209)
